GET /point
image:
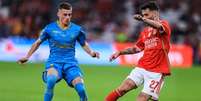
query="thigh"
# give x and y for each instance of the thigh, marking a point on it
(153, 84)
(73, 75)
(134, 79)
(136, 76)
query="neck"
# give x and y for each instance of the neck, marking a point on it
(63, 26)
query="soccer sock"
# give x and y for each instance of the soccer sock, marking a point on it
(51, 81)
(81, 91)
(113, 96)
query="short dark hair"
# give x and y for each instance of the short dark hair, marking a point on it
(65, 5)
(151, 5)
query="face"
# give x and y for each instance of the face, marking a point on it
(64, 16)
(148, 14)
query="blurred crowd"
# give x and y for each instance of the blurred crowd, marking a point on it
(23, 18)
(104, 20)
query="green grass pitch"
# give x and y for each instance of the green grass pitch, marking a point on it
(24, 83)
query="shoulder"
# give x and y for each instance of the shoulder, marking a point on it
(75, 26)
(50, 25)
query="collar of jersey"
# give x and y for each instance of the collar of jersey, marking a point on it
(62, 27)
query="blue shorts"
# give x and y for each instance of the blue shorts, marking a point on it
(66, 71)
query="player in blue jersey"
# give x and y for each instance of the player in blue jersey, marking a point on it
(62, 64)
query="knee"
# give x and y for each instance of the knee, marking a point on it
(122, 90)
(126, 86)
(143, 97)
(51, 80)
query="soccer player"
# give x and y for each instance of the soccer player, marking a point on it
(153, 66)
(62, 64)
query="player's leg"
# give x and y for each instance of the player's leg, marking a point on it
(78, 84)
(74, 78)
(143, 97)
(51, 79)
(126, 86)
(153, 83)
(134, 80)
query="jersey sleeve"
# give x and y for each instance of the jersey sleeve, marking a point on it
(82, 37)
(43, 34)
(165, 27)
(140, 44)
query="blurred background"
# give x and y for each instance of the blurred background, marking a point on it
(110, 27)
(106, 21)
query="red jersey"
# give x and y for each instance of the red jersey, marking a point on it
(156, 45)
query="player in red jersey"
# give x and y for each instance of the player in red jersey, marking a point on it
(154, 40)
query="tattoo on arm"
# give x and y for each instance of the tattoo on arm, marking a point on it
(152, 23)
(127, 51)
(131, 50)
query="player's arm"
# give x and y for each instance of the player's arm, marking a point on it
(82, 40)
(155, 24)
(43, 36)
(88, 50)
(33, 48)
(131, 50)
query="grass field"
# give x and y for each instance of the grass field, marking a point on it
(24, 83)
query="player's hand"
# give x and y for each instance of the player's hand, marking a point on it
(22, 60)
(114, 56)
(95, 55)
(138, 17)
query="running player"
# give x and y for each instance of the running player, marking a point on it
(154, 40)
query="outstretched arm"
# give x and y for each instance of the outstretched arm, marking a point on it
(131, 50)
(89, 51)
(153, 23)
(34, 47)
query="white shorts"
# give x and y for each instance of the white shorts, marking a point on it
(152, 81)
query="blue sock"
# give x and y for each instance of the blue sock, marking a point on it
(51, 81)
(81, 91)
